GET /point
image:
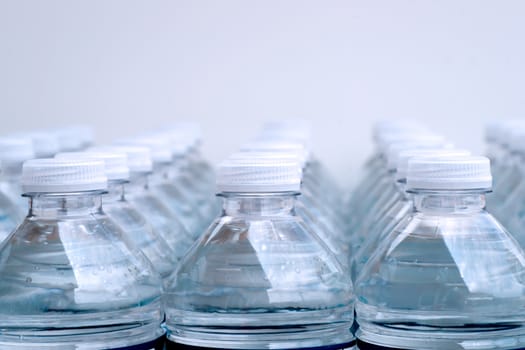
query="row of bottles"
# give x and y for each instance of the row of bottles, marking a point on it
(270, 272)
(432, 269)
(105, 228)
(125, 246)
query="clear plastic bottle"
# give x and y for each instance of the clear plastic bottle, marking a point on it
(163, 221)
(400, 208)
(386, 193)
(138, 231)
(509, 176)
(163, 185)
(259, 278)
(68, 281)
(192, 187)
(451, 277)
(313, 218)
(13, 152)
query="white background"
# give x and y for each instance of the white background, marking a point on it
(126, 66)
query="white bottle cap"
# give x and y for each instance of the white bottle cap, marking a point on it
(160, 148)
(14, 149)
(115, 163)
(51, 175)
(138, 158)
(45, 144)
(256, 175)
(74, 138)
(449, 173)
(392, 154)
(405, 156)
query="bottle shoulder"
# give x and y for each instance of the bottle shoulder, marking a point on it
(243, 262)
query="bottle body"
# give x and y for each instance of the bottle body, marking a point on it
(258, 278)
(69, 281)
(449, 277)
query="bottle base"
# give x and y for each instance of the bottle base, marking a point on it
(170, 345)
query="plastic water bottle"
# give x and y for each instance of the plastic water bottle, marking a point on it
(67, 280)
(401, 208)
(163, 221)
(13, 152)
(311, 216)
(452, 277)
(162, 183)
(384, 133)
(512, 209)
(139, 233)
(319, 203)
(509, 176)
(258, 278)
(191, 188)
(385, 193)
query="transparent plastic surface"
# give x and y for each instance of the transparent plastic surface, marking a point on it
(259, 279)
(164, 222)
(164, 187)
(380, 229)
(507, 181)
(11, 187)
(363, 210)
(9, 216)
(138, 232)
(68, 281)
(193, 188)
(449, 277)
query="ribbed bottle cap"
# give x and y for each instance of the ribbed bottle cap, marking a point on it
(449, 173)
(138, 157)
(160, 148)
(16, 149)
(392, 154)
(254, 175)
(51, 175)
(405, 156)
(115, 163)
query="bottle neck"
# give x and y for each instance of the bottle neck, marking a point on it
(59, 205)
(449, 202)
(267, 204)
(116, 191)
(138, 182)
(162, 172)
